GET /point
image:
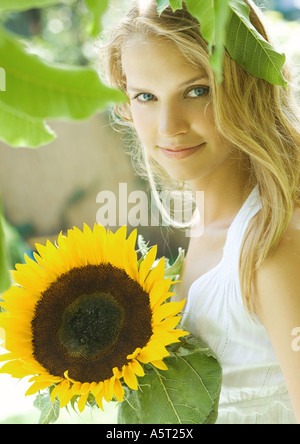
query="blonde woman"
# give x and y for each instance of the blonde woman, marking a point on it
(238, 141)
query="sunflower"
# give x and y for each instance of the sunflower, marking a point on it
(85, 315)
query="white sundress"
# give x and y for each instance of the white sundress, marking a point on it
(253, 388)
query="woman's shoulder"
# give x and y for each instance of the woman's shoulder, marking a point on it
(279, 273)
(287, 253)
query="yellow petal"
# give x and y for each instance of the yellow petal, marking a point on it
(108, 389)
(82, 402)
(159, 292)
(167, 310)
(165, 338)
(129, 377)
(146, 264)
(156, 274)
(99, 400)
(166, 324)
(55, 392)
(119, 390)
(65, 398)
(121, 233)
(152, 352)
(95, 388)
(36, 386)
(160, 365)
(15, 369)
(137, 368)
(179, 333)
(76, 388)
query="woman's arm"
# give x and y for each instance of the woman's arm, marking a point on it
(277, 304)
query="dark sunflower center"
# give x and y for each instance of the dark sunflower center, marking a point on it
(88, 321)
(91, 324)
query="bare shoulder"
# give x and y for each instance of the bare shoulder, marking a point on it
(277, 281)
(280, 272)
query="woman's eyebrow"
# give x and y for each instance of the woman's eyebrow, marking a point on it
(194, 79)
(187, 83)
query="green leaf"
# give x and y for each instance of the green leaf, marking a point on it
(187, 393)
(49, 412)
(5, 279)
(176, 4)
(45, 91)
(222, 13)
(98, 8)
(22, 5)
(174, 270)
(249, 49)
(227, 23)
(21, 130)
(204, 12)
(162, 5)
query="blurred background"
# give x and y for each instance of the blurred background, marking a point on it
(54, 187)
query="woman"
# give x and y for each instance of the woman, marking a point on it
(238, 141)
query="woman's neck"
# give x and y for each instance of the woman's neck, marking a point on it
(223, 196)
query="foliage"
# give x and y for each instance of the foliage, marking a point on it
(187, 393)
(4, 274)
(36, 91)
(227, 23)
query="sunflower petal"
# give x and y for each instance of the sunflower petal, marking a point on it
(137, 368)
(129, 377)
(119, 390)
(65, 398)
(15, 369)
(82, 402)
(160, 365)
(157, 273)
(167, 310)
(146, 264)
(36, 386)
(159, 292)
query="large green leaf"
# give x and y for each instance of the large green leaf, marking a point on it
(22, 5)
(249, 49)
(222, 12)
(227, 23)
(5, 279)
(21, 130)
(204, 12)
(46, 91)
(187, 393)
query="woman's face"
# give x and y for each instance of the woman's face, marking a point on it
(172, 110)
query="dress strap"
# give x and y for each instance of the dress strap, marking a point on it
(237, 229)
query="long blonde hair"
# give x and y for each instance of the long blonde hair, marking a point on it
(261, 121)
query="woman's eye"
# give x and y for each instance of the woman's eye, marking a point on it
(198, 92)
(145, 97)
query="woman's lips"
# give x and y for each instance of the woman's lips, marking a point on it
(180, 153)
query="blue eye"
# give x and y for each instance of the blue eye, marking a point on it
(198, 92)
(145, 97)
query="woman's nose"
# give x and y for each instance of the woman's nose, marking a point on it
(172, 121)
